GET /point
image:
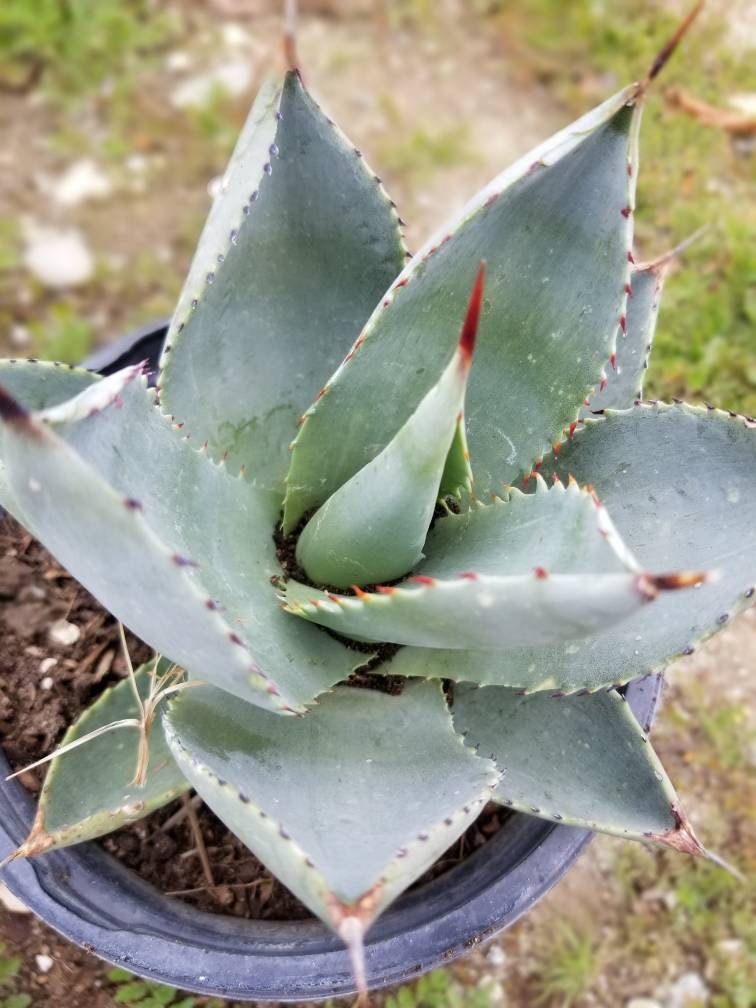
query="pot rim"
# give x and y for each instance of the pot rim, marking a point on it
(94, 901)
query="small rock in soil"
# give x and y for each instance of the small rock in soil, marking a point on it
(64, 633)
(83, 180)
(57, 257)
(11, 902)
(688, 991)
(496, 956)
(44, 963)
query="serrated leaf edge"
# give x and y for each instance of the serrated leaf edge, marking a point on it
(370, 904)
(245, 216)
(557, 146)
(238, 652)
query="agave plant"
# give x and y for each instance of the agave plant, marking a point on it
(269, 530)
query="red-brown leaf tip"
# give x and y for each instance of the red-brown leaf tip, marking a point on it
(682, 838)
(649, 585)
(662, 57)
(470, 325)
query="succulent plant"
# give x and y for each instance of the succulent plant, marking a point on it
(269, 530)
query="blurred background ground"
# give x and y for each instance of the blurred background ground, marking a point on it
(116, 115)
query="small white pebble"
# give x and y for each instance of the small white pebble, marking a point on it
(20, 335)
(57, 257)
(178, 61)
(137, 164)
(10, 902)
(44, 963)
(83, 180)
(46, 664)
(496, 955)
(64, 633)
(47, 683)
(234, 36)
(688, 991)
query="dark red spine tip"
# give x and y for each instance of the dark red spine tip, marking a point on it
(422, 579)
(541, 573)
(470, 325)
(662, 57)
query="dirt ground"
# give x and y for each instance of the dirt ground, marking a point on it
(438, 103)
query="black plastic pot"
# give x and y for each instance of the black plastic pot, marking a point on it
(94, 901)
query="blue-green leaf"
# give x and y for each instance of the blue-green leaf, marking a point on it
(373, 528)
(555, 230)
(299, 245)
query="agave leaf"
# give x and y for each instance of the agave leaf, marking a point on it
(373, 528)
(555, 230)
(457, 476)
(179, 550)
(298, 247)
(679, 481)
(562, 557)
(38, 385)
(624, 383)
(88, 791)
(480, 611)
(559, 529)
(346, 806)
(583, 761)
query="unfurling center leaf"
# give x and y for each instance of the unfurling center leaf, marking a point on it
(373, 528)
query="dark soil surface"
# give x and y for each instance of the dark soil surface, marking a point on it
(44, 686)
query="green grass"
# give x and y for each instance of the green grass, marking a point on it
(422, 152)
(62, 335)
(73, 46)
(130, 992)
(414, 155)
(691, 175)
(675, 910)
(10, 967)
(438, 990)
(568, 963)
